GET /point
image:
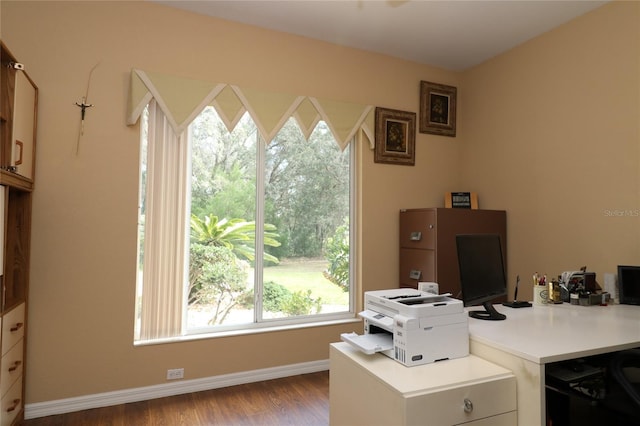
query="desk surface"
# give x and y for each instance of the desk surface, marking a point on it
(422, 378)
(550, 333)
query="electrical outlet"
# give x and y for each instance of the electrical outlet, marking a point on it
(175, 373)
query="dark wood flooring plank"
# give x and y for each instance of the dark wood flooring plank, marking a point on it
(297, 400)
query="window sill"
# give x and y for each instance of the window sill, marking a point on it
(246, 331)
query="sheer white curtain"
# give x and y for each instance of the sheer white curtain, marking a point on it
(165, 243)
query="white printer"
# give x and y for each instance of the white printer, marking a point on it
(412, 326)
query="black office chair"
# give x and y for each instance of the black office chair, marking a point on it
(627, 359)
(623, 394)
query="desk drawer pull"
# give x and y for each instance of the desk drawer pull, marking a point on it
(17, 327)
(16, 404)
(468, 405)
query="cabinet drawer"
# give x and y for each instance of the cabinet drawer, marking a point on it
(418, 229)
(11, 404)
(416, 265)
(11, 367)
(12, 328)
(447, 406)
(506, 419)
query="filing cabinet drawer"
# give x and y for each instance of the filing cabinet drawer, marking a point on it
(506, 419)
(418, 229)
(416, 265)
(11, 367)
(12, 328)
(464, 403)
(11, 404)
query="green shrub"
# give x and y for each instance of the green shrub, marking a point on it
(337, 254)
(216, 277)
(301, 303)
(275, 296)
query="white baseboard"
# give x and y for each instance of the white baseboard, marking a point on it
(86, 402)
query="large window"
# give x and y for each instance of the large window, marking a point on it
(237, 233)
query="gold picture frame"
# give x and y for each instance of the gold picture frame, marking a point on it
(438, 108)
(395, 137)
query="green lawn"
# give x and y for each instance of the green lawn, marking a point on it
(306, 274)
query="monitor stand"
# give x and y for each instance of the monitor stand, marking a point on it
(489, 313)
(517, 304)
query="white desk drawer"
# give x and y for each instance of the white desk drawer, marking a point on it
(461, 404)
(11, 367)
(506, 419)
(12, 328)
(11, 404)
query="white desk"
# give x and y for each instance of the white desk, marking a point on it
(531, 337)
(372, 390)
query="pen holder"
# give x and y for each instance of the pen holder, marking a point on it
(540, 295)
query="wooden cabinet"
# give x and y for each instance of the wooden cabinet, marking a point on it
(428, 243)
(18, 112)
(376, 390)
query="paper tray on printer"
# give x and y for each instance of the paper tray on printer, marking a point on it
(369, 343)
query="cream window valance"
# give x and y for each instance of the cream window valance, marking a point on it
(182, 99)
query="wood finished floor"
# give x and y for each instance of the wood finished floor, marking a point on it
(298, 400)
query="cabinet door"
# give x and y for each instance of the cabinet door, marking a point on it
(418, 229)
(416, 265)
(24, 125)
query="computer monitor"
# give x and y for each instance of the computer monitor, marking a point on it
(629, 284)
(482, 276)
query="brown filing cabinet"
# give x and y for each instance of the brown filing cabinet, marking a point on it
(428, 243)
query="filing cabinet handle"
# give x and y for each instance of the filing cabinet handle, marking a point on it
(17, 327)
(468, 405)
(15, 366)
(16, 404)
(415, 236)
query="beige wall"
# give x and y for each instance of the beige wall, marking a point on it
(552, 134)
(548, 131)
(84, 222)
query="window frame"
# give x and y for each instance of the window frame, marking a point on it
(260, 324)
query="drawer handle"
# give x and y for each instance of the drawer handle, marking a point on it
(15, 366)
(415, 236)
(16, 404)
(431, 226)
(17, 327)
(415, 274)
(468, 405)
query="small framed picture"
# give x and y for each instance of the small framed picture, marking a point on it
(395, 137)
(461, 200)
(437, 109)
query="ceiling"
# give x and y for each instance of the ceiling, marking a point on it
(450, 34)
